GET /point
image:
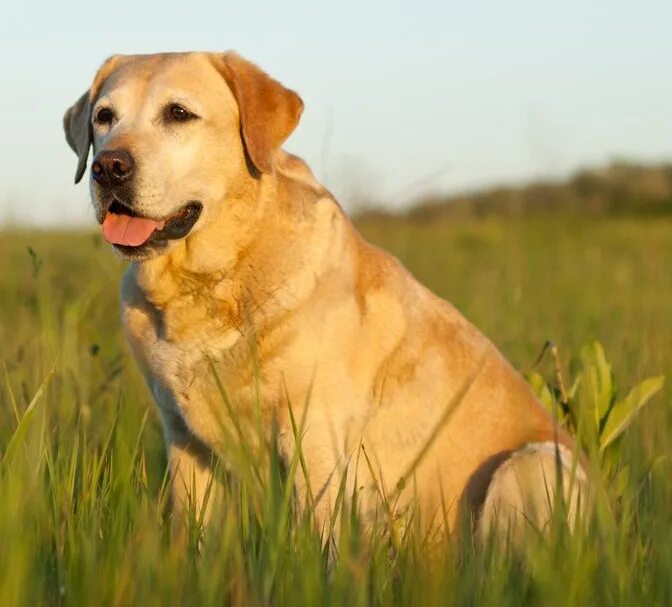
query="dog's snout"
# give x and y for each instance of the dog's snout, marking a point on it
(112, 167)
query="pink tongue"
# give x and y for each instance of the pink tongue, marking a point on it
(127, 230)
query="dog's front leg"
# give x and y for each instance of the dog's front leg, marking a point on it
(194, 489)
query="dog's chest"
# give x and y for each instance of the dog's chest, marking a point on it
(180, 371)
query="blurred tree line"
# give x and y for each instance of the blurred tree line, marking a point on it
(620, 188)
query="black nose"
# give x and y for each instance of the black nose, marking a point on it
(112, 167)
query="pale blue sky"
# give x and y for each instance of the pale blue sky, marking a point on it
(401, 98)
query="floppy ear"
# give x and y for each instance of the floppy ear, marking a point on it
(269, 112)
(77, 119)
(77, 126)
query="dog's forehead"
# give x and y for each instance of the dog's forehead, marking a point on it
(143, 76)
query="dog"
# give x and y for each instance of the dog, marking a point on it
(246, 276)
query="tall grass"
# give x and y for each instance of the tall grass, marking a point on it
(83, 489)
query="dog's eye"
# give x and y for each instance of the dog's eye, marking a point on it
(104, 115)
(176, 113)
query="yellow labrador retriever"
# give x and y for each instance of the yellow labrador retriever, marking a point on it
(242, 263)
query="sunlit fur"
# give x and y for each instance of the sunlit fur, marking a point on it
(274, 282)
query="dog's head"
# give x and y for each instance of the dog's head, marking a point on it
(173, 136)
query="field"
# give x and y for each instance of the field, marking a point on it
(82, 468)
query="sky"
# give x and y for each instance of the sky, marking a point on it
(401, 100)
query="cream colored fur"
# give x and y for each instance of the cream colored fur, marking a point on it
(524, 491)
(274, 278)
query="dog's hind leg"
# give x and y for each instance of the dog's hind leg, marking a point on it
(523, 492)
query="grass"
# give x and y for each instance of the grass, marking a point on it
(82, 467)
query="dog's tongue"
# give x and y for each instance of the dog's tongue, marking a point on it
(127, 230)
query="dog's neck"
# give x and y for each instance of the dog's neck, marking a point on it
(223, 269)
